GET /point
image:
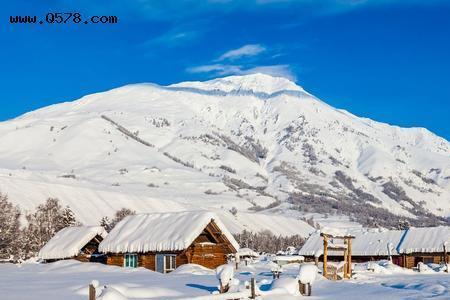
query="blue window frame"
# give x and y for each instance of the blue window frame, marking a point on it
(130, 260)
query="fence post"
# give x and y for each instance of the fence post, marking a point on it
(253, 288)
(304, 288)
(91, 292)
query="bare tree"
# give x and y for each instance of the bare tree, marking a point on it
(118, 216)
(44, 223)
(9, 229)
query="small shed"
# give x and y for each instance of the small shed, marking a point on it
(76, 242)
(282, 260)
(164, 241)
(247, 253)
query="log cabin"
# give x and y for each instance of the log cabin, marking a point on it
(406, 248)
(75, 242)
(163, 241)
(426, 245)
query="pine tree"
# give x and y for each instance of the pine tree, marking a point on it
(9, 229)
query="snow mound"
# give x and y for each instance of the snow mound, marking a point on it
(285, 284)
(192, 269)
(307, 273)
(110, 293)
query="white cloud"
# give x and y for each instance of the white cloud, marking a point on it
(216, 69)
(173, 38)
(224, 70)
(244, 51)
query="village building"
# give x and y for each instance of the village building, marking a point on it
(406, 248)
(164, 241)
(247, 253)
(369, 245)
(76, 242)
(426, 245)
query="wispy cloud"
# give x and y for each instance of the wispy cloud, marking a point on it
(244, 51)
(173, 38)
(216, 69)
(224, 70)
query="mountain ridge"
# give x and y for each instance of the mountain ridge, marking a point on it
(229, 146)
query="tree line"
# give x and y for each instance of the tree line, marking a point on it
(18, 242)
(266, 241)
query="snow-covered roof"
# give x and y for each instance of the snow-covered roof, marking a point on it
(289, 257)
(69, 241)
(365, 243)
(376, 243)
(172, 231)
(313, 244)
(247, 252)
(425, 240)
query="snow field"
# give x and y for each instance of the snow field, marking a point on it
(69, 280)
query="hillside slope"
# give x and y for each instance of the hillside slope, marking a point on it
(253, 142)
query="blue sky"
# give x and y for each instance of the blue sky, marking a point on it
(386, 60)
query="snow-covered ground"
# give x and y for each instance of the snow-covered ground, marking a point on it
(69, 280)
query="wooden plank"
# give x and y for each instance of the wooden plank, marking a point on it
(253, 288)
(325, 254)
(349, 265)
(345, 269)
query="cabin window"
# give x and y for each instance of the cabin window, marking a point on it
(428, 260)
(165, 263)
(130, 260)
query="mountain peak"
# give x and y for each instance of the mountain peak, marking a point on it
(258, 83)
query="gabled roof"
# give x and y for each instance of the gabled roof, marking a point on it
(425, 240)
(69, 241)
(174, 231)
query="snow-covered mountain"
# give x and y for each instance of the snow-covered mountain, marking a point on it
(254, 142)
